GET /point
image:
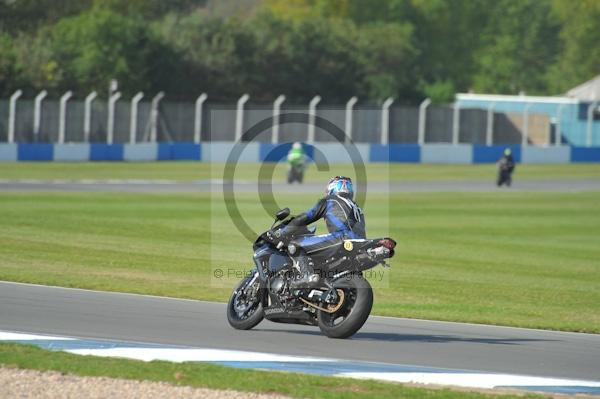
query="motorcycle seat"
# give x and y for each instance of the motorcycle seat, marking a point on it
(319, 245)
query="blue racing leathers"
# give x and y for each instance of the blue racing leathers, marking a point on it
(344, 219)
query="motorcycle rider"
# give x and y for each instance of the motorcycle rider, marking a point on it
(344, 219)
(296, 154)
(506, 166)
(296, 160)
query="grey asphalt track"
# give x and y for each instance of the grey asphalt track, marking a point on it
(92, 314)
(217, 186)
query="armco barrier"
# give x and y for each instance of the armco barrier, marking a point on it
(321, 152)
(8, 152)
(35, 152)
(446, 153)
(72, 152)
(491, 154)
(140, 152)
(278, 152)
(585, 154)
(179, 152)
(531, 154)
(395, 153)
(333, 152)
(218, 151)
(106, 152)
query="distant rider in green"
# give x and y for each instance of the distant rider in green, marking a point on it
(296, 162)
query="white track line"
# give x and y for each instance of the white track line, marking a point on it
(13, 336)
(460, 378)
(179, 355)
(473, 380)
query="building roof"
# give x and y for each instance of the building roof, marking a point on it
(588, 91)
(515, 98)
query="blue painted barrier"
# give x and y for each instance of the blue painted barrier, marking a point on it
(179, 152)
(491, 154)
(106, 152)
(186, 151)
(395, 153)
(35, 152)
(585, 154)
(267, 152)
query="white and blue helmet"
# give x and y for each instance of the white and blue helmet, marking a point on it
(340, 185)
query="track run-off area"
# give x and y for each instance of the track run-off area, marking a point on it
(391, 349)
(216, 185)
(388, 349)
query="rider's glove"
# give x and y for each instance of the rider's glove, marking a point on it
(276, 236)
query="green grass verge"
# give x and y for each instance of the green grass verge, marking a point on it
(200, 170)
(220, 377)
(518, 259)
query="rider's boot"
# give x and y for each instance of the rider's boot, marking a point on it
(306, 277)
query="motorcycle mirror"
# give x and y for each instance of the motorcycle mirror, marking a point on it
(282, 213)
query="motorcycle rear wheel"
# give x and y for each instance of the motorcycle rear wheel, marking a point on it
(354, 312)
(245, 321)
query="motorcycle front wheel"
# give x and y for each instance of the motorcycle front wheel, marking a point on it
(244, 313)
(354, 311)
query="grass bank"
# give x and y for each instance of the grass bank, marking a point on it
(519, 259)
(199, 170)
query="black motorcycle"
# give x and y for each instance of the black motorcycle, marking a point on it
(505, 170)
(339, 303)
(295, 173)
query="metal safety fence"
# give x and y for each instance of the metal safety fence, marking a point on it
(142, 118)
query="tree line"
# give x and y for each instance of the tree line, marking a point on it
(374, 49)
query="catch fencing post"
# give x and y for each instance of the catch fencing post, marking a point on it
(110, 124)
(37, 113)
(134, 116)
(198, 117)
(385, 120)
(312, 114)
(489, 131)
(276, 111)
(154, 116)
(12, 115)
(239, 116)
(348, 125)
(590, 120)
(423, 120)
(557, 129)
(455, 122)
(62, 119)
(525, 135)
(87, 116)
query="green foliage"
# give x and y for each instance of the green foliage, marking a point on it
(99, 45)
(9, 67)
(39, 67)
(30, 15)
(519, 48)
(580, 35)
(390, 60)
(373, 49)
(272, 55)
(441, 92)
